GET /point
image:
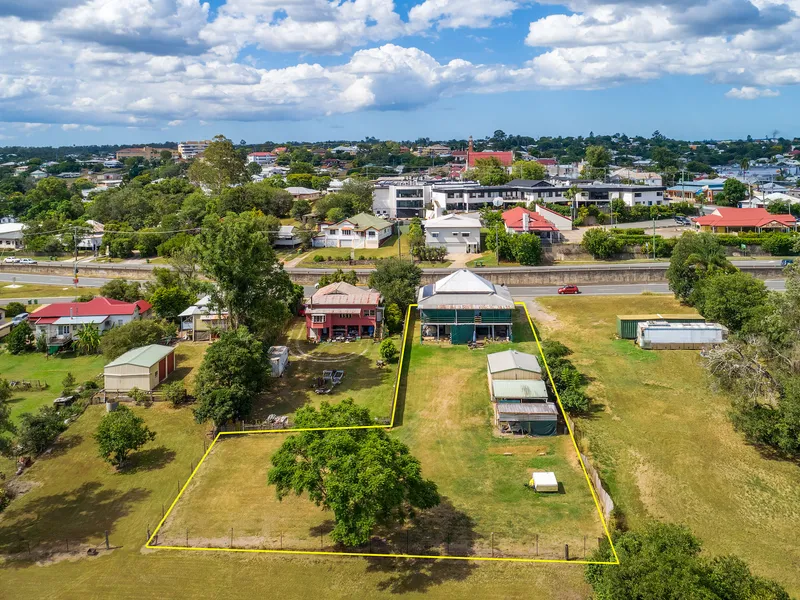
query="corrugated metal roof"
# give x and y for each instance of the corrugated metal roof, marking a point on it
(80, 320)
(512, 410)
(344, 293)
(146, 356)
(334, 311)
(465, 290)
(656, 317)
(512, 359)
(524, 389)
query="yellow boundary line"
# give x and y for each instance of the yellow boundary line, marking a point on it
(400, 365)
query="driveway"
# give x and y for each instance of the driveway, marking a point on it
(459, 260)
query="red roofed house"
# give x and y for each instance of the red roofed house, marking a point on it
(261, 158)
(727, 220)
(60, 322)
(505, 158)
(341, 310)
(547, 162)
(522, 220)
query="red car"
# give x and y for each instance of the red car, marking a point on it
(569, 289)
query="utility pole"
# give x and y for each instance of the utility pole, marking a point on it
(75, 263)
(497, 244)
(654, 238)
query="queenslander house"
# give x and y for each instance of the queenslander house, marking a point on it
(342, 311)
(464, 307)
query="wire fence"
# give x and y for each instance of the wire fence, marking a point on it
(603, 497)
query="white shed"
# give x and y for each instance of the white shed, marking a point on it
(143, 368)
(661, 335)
(544, 482)
(279, 359)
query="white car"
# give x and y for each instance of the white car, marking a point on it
(10, 260)
(28, 261)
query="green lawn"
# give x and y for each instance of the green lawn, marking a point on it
(38, 290)
(363, 381)
(446, 420)
(489, 259)
(188, 356)
(665, 445)
(391, 247)
(49, 370)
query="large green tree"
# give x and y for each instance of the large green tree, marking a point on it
(119, 433)
(364, 476)
(528, 169)
(490, 171)
(141, 332)
(231, 374)
(236, 252)
(219, 167)
(600, 243)
(169, 302)
(397, 280)
(663, 561)
(733, 192)
(695, 257)
(37, 431)
(733, 299)
(20, 338)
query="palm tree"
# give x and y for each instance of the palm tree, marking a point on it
(87, 340)
(744, 164)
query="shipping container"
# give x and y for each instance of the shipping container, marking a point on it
(661, 335)
(628, 325)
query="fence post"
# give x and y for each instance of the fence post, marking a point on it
(187, 537)
(68, 544)
(281, 540)
(108, 546)
(493, 544)
(320, 540)
(584, 546)
(566, 551)
(231, 537)
(162, 510)
(407, 535)
(537, 544)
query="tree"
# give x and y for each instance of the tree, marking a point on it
(219, 167)
(253, 169)
(527, 248)
(20, 338)
(174, 393)
(335, 215)
(598, 158)
(528, 169)
(141, 332)
(6, 424)
(252, 286)
(300, 209)
(68, 384)
(231, 374)
(364, 476)
(392, 318)
(119, 433)
(169, 302)
(695, 256)
(337, 276)
(600, 243)
(397, 280)
(490, 171)
(14, 308)
(734, 191)
(37, 431)
(87, 339)
(388, 350)
(498, 240)
(732, 299)
(416, 237)
(122, 290)
(663, 561)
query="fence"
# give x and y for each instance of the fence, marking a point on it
(603, 497)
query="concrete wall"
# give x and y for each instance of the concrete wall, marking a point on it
(515, 276)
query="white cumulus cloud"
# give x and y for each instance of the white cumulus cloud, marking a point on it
(751, 93)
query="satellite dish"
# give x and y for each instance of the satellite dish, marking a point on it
(498, 202)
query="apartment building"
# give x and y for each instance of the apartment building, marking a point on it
(145, 152)
(262, 159)
(189, 150)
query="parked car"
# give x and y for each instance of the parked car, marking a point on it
(10, 260)
(17, 319)
(28, 261)
(569, 289)
(787, 261)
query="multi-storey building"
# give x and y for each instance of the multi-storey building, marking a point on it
(191, 149)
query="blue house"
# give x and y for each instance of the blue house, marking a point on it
(464, 307)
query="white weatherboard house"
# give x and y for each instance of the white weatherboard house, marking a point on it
(11, 236)
(359, 231)
(458, 233)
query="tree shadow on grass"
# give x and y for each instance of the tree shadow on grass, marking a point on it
(440, 531)
(65, 442)
(148, 460)
(79, 515)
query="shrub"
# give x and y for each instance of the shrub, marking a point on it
(20, 338)
(318, 259)
(140, 397)
(14, 308)
(778, 244)
(574, 401)
(38, 431)
(175, 393)
(600, 243)
(388, 350)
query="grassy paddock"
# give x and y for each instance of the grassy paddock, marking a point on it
(446, 420)
(665, 445)
(38, 290)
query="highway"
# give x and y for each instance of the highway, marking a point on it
(519, 292)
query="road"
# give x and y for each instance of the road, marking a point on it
(520, 292)
(52, 279)
(615, 290)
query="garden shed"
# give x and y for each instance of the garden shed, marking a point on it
(143, 368)
(628, 325)
(530, 418)
(513, 365)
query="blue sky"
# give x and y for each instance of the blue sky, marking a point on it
(101, 71)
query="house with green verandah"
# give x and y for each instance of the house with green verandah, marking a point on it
(464, 307)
